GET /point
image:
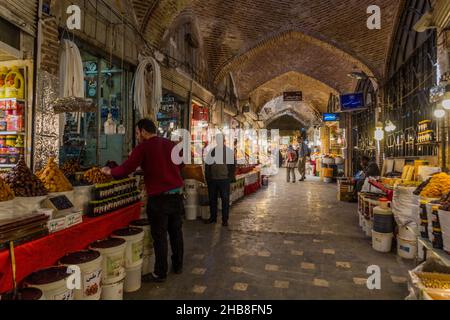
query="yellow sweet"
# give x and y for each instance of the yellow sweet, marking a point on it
(53, 178)
(438, 186)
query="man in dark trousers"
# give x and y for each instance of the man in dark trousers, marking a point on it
(164, 186)
(220, 173)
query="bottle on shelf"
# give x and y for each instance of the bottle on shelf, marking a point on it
(3, 74)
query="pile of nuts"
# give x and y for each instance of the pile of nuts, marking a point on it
(95, 175)
(23, 182)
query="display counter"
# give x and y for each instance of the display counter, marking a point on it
(46, 251)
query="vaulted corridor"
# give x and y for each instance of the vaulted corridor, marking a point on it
(289, 241)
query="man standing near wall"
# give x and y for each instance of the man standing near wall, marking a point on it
(303, 152)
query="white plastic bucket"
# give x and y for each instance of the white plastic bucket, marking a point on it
(382, 242)
(191, 191)
(82, 196)
(206, 214)
(444, 220)
(52, 282)
(25, 294)
(90, 264)
(147, 264)
(135, 245)
(406, 248)
(148, 239)
(369, 225)
(133, 279)
(113, 263)
(113, 291)
(191, 212)
(408, 232)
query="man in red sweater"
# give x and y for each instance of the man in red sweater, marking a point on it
(164, 186)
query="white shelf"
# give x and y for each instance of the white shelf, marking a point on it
(12, 133)
(440, 254)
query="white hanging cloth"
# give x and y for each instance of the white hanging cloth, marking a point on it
(147, 109)
(71, 72)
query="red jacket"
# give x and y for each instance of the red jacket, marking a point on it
(154, 157)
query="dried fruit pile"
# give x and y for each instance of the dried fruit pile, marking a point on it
(23, 182)
(6, 193)
(437, 186)
(53, 178)
(95, 175)
(71, 167)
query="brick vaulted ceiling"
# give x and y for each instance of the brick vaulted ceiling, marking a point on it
(260, 40)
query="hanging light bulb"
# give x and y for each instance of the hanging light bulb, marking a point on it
(446, 98)
(439, 113)
(390, 127)
(379, 132)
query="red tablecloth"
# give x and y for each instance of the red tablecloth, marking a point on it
(46, 251)
(252, 188)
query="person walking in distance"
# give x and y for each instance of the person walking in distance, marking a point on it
(220, 171)
(164, 186)
(303, 152)
(291, 163)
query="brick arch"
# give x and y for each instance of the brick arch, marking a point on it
(235, 26)
(315, 92)
(275, 108)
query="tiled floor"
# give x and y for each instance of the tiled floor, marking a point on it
(288, 241)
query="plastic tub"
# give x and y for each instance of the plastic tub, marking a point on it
(147, 264)
(133, 279)
(382, 242)
(191, 212)
(407, 248)
(52, 282)
(90, 264)
(134, 247)
(113, 264)
(113, 291)
(144, 224)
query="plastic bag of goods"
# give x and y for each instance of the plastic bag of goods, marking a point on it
(403, 205)
(367, 187)
(425, 172)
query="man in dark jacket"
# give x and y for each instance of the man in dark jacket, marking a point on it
(220, 173)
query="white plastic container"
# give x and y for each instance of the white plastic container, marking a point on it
(147, 264)
(90, 264)
(144, 224)
(52, 282)
(133, 279)
(134, 251)
(206, 214)
(191, 191)
(408, 232)
(382, 242)
(113, 291)
(406, 248)
(113, 263)
(369, 225)
(191, 212)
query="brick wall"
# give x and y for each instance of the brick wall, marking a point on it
(50, 46)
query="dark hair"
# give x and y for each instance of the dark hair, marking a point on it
(147, 125)
(365, 158)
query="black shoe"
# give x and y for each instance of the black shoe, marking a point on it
(153, 278)
(211, 221)
(225, 223)
(301, 180)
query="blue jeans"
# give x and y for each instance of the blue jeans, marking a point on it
(222, 188)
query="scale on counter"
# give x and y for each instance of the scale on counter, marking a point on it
(64, 213)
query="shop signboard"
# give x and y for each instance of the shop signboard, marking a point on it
(352, 102)
(330, 117)
(292, 96)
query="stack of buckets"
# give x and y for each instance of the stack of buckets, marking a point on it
(192, 199)
(90, 264)
(134, 238)
(113, 266)
(383, 227)
(144, 224)
(407, 241)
